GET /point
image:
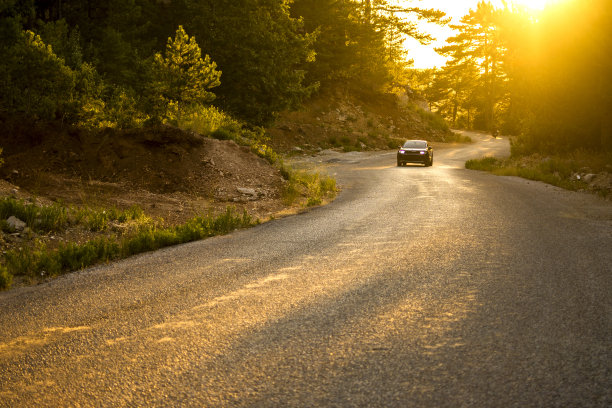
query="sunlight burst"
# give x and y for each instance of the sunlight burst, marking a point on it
(532, 4)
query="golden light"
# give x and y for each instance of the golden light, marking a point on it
(425, 57)
(532, 4)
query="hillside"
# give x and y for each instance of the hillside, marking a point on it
(356, 121)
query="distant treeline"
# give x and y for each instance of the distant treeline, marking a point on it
(546, 77)
(122, 63)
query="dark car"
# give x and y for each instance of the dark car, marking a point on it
(415, 151)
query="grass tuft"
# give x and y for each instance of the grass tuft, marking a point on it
(38, 218)
(42, 261)
(313, 186)
(560, 170)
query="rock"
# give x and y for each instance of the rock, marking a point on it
(587, 178)
(296, 149)
(247, 191)
(15, 223)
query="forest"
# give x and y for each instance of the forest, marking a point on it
(132, 63)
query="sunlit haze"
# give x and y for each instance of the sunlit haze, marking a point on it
(424, 56)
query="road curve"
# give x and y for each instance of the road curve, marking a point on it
(418, 287)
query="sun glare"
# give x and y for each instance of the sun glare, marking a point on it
(424, 55)
(532, 4)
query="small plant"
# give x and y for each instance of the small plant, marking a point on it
(41, 219)
(484, 164)
(333, 140)
(313, 186)
(457, 137)
(99, 220)
(6, 279)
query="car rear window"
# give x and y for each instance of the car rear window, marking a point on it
(415, 144)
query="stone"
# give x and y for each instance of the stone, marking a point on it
(15, 223)
(247, 191)
(587, 178)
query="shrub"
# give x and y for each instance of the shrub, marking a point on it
(35, 81)
(99, 220)
(435, 121)
(313, 186)
(484, 164)
(42, 219)
(6, 279)
(207, 120)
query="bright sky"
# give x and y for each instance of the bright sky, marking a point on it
(424, 55)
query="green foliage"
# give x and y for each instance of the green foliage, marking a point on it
(66, 42)
(211, 121)
(484, 164)
(261, 52)
(182, 76)
(433, 120)
(558, 170)
(33, 80)
(100, 220)
(6, 279)
(41, 219)
(314, 187)
(360, 43)
(41, 261)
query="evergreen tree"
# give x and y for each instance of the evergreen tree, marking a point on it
(182, 76)
(360, 42)
(33, 80)
(478, 43)
(261, 51)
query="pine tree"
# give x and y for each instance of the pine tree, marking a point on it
(478, 43)
(182, 76)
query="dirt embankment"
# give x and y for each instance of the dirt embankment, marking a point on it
(167, 172)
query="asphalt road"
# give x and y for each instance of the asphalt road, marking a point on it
(417, 287)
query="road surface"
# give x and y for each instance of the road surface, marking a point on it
(418, 287)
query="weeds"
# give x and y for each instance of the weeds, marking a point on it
(97, 220)
(457, 137)
(6, 279)
(314, 186)
(40, 219)
(435, 121)
(42, 261)
(561, 171)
